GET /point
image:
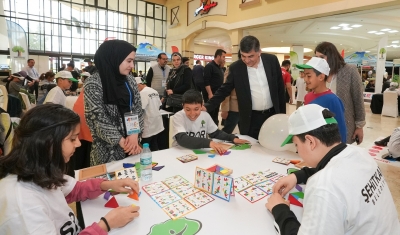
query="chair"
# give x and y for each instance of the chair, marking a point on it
(3, 98)
(26, 101)
(5, 123)
(171, 131)
(390, 107)
(70, 101)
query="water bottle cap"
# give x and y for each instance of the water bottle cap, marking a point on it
(146, 145)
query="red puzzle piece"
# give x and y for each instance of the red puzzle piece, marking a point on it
(112, 203)
(134, 196)
(294, 201)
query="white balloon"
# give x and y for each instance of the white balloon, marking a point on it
(274, 131)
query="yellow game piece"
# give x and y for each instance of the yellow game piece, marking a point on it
(133, 205)
(224, 172)
(212, 151)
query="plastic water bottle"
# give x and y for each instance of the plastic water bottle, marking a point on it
(145, 163)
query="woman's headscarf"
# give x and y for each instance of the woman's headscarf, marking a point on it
(177, 54)
(108, 58)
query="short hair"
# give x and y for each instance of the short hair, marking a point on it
(198, 61)
(162, 53)
(219, 52)
(319, 73)
(328, 134)
(30, 60)
(71, 65)
(192, 97)
(286, 63)
(184, 59)
(239, 55)
(335, 60)
(36, 154)
(49, 75)
(249, 43)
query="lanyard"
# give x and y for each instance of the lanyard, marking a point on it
(130, 96)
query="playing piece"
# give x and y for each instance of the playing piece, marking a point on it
(266, 186)
(155, 188)
(253, 194)
(270, 175)
(127, 173)
(134, 196)
(199, 199)
(281, 161)
(112, 203)
(187, 158)
(174, 181)
(254, 178)
(240, 184)
(241, 146)
(184, 190)
(165, 198)
(178, 209)
(222, 186)
(203, 179)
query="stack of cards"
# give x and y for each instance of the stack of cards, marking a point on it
(218, 185)
(187, 158)
(176, 196)
(281, 161)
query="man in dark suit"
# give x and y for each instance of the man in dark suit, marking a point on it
(198, 75)
(259, 86)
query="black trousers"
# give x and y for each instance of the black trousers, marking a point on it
(80, 159)
(34, 88)
(152, 141)
(257, 120)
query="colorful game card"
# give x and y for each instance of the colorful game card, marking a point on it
(155, 188)
(281, 161)
(199, 199)
(264, 172)
(174, 181)
(254, 178)
(203, 179)
(253, 194)
(178, 209)
(266, 186)
(239, 184)
(127, 173)
(270, 175)
(187, 158)
(222, 186)
(277, 177)
(184, 190)
(165, 198)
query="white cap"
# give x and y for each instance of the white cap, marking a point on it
(65, 74)
(306, 118)
(139, 80)
(86, 74)
(316, 63)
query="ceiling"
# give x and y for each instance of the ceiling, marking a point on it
(309, 33)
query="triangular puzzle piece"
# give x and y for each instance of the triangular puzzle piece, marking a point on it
(112, 203)
(294, 201)
(212, 169)
(298, 195)
(134, 196)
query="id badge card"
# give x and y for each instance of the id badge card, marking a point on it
(131, 123)
(164, 83)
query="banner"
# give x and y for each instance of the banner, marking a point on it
(18, 46)
(380, 65)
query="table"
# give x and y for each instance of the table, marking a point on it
(377, 103)
(219, 217)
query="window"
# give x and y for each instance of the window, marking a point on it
(141, 8)
(150, 10)
(132, 6)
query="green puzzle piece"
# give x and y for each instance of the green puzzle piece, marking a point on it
(181, 226)
(241, 147)
(298, 195)
(198, 151)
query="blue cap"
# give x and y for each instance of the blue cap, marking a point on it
(146, 145)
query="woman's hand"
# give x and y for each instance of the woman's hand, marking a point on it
(119, 217)
(274, 200)
(240, 141)
(170, 92)
(132, 146)
(126, 185)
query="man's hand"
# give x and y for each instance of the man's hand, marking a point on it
(275, 199)
(290, 101)
(240, 141)
(170, 92)
(31, 83)
(224, 114)
(219, 148)
(284, 185)
(358, 132)
(210, 95)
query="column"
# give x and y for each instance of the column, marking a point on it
(235, 35)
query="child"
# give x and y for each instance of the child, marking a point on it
(153, 123)
(32, 174)
(56, 95)
(191, 126)
(317, 71)
(301, 89)
(345, 193)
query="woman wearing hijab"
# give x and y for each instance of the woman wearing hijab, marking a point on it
(345, 81)
(179, 78)
(111, 97)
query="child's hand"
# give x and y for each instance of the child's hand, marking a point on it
(219, 148)
(121, 216)
(240, 141)
(122, 185)
(274, 200)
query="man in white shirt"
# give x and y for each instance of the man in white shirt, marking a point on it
(153, 123)
(34, 75)
(56, 95)
(345, 193)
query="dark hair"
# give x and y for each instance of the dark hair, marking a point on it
(319, 73)
(286, 63)
(335, 60)
(42, 76)
(239, 55)
(219, 52)
(192, 97)
(198, 62)
(328, 134)
(184, 59)
(49, 75)
(30, 60)
(36, 154)
(135, 74)
(71, 65)
(162, 53)
(249, 43)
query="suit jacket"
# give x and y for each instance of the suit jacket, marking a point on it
(238, 79)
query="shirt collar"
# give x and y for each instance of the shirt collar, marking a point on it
(331, 154)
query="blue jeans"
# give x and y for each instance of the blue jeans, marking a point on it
(231, 121)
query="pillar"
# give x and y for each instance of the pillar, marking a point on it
(235, 35)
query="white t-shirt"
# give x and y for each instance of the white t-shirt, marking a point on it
(301, 89)
(199, 128)
(55, 96)
(151, 103)
(27, 208)
(349, 196)
(394, 143)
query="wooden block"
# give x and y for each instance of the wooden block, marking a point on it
(92, 172)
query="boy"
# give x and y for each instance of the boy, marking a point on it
(345, 192)
(317, 72)
(191, 126)
(56, 95)
(153, 123)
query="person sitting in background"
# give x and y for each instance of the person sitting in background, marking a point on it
(46, 85)
(191, 126)
(56, 95)
(394, 86)
(370, 86)
(16, 84)
(75, 75)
